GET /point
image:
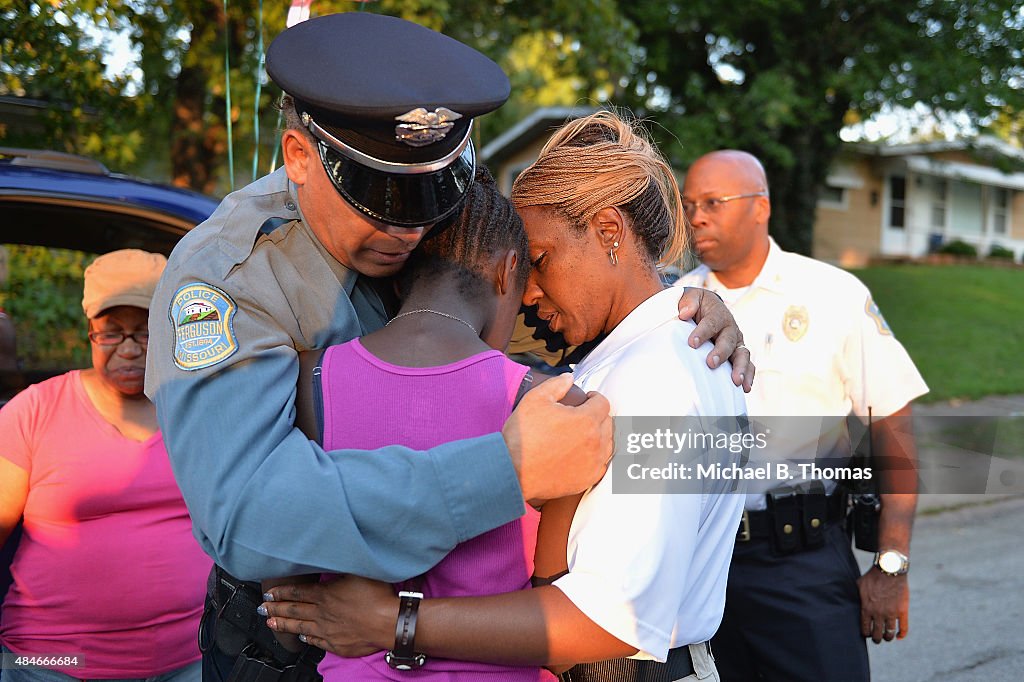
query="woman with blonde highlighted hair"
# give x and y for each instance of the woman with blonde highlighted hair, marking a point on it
(632, 585)
(598, 186)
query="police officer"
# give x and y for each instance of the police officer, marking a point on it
(377, 150)
(795, 606)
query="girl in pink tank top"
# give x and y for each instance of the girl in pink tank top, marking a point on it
(437, 373)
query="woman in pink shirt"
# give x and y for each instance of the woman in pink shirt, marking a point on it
(108, 580)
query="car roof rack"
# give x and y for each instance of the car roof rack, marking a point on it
(42, 158)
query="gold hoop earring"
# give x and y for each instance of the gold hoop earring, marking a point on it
(612, 256)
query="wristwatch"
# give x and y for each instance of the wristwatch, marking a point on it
(892, 562)
(404, 656)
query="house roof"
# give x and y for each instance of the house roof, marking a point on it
(1003, 156)
(982, 143)
(999, 164)
(984, 175)
(527, 130)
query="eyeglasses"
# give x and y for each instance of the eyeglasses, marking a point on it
(117, 338)
(713, 204)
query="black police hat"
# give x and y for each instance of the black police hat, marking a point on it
(391, 104)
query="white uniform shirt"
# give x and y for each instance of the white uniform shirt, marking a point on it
(821, 348)
(651, 568)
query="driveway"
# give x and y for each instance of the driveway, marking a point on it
(967, 599)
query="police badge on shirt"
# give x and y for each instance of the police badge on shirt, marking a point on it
(795, 322)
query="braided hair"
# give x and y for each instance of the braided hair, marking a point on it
(467, 243)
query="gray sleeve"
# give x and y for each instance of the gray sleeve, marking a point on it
(266, 502)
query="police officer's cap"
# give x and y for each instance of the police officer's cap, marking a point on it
(391, 105)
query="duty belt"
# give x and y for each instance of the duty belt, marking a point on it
(677, 665)
(792, 516)
(242, 634)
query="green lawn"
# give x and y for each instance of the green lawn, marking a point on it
(962, 324)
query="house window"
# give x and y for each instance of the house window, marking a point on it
(939, 196)
(966, 209)
(897, 202)
(1000, 208)
(831, 196)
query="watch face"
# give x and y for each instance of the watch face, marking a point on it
(890, 562)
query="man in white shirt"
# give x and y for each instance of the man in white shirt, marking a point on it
(796, 606)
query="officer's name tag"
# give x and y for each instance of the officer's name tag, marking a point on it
(201, 316)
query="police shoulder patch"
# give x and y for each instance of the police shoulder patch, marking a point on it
(201, 316)
(871, 308)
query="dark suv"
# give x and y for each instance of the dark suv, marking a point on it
(60, 200)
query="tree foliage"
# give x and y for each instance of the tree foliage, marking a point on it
(47, 55)
(776, 77)
(43, 294)
(171, 116)
(781, 77)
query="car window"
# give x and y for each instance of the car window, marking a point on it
(61, 211)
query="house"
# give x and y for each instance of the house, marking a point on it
(519, 146)
(878, 200)
(906, 200)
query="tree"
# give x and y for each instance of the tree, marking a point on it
(781, 77)
(47, 55)
(172, 114)
(1009, 125)
(776, 77)
(168, 119)
(555, 52)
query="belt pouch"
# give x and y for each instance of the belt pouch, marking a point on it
(815, 513)
(214, 628)
(784, 512)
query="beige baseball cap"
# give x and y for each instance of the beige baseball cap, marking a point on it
(125, 277)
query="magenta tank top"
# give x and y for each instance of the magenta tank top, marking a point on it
(465, 399)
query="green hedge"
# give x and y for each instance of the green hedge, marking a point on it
(43, 294)
(959, 248)
(1000, 252)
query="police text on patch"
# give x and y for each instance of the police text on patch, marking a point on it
(202, 317)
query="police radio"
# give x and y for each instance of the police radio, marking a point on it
(867, 501)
